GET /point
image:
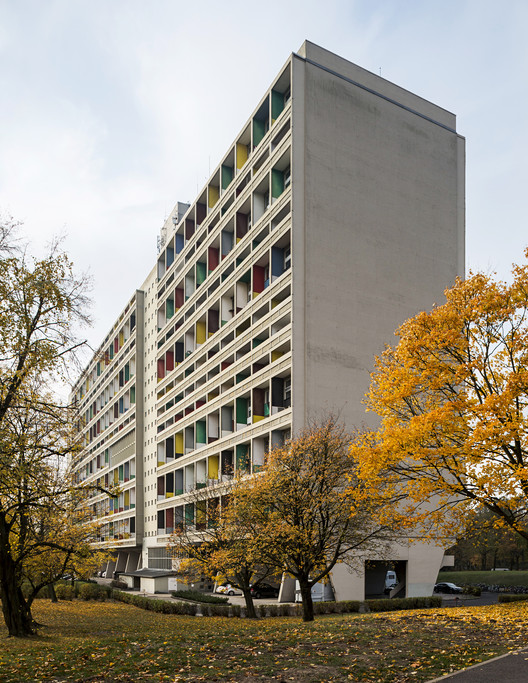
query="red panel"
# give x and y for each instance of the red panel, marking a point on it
(178, 297)
(258, 279)
(161, 368)
(169, 360)
(213, 258)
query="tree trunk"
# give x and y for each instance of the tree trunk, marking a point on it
(307, 602)
(16, 611)
(250, 606)
(52, 593)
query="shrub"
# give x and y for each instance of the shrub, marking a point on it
(64, 592)
(154, 605)
(92, 591)
(348, 606)
(324, 607)
(261, 610)
(284, 610)
(390, 605)
(219, 610)
(198, 596)
(235, 610)
(508, 597)
(471, 590)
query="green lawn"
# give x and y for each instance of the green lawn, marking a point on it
(501, 578)
(96, 642)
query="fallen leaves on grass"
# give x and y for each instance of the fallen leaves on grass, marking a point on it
(96, 642)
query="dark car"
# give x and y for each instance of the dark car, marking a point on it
(447, 587)
(264, 590)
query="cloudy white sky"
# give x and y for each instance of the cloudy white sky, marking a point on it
(113, 110)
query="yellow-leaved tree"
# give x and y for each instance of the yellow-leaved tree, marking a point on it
(310, 510)
(222, 542)
(452, 396)
(41, 302)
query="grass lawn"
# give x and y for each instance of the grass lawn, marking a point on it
(96, 642)
(499, 578)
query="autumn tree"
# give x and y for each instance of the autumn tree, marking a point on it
(452, 396)
(223, 544)
(41, 301)
(311, 511)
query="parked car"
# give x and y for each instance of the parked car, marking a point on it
(227, 589)
(264, 590)
(447, 587)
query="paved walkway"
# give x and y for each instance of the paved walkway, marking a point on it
(509, 668)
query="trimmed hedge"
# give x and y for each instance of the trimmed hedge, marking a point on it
(198, 596)
(394, 604)
(153, 605)
(281, 610)
(93, 591)
(508, 597)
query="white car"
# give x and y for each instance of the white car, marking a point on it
(227, 589)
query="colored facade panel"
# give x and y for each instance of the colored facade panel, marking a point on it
(201, 273)
(241, 155)
(227, 176)
(277, 104)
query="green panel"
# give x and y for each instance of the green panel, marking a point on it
(127, 372)
(201, 273)
(242, 457)
(240, 377)
(121, 473)
(227, 176)
(259, 131)
(201, 432)
(169, 308)
(277, 104)
(241, 410)
(189, 513)
(246, 277)
(277, 183)
(133, 394)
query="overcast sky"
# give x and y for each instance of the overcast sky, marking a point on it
(113, 110)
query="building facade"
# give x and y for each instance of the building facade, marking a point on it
(336, 214)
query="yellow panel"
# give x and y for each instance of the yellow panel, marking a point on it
(178, 442)
(212, 467)
(213, 195)
(241, 155)
(169, 494)
(127, 497)
(275, 355)
(121, 339)
(200, 332)
(258, 418)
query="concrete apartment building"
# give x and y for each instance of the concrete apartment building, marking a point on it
(337, 213)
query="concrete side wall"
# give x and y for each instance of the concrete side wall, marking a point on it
(333, 62)
(383, 233)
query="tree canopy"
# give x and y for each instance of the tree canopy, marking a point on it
(225, 546)
(452, 396)
(311, 511)
(41, 302)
